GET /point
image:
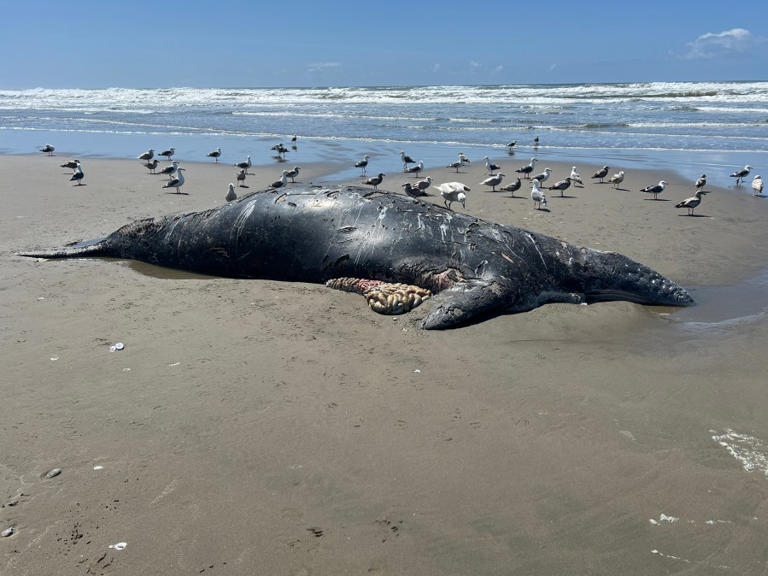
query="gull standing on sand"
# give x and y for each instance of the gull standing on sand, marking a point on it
(168, 153)
(412, 191)
(602, 173)
(148, 155)
(757, 186)
(375, 181)
(176, 182)
(416, 169)
(526, 171)
(406, 160)
(152, 164)
(490, 166)
(78, 175)
(72, 164)
(701, 182)
(244, 165)
(47, 149)
(231, 193)
(656, 189)
(544, 176)
(241, 178)
(741, 174)
(422, 185)
(362, 163)
(463, 159)
(576, 177)
(514, 187)
(215, 154)
(617, 178)
(537, 195)
(293, 173)
(282, 182)
(563, 185)
(456, 165)
(691, 202)
(170, 169)
(453, 192)
(493, 181)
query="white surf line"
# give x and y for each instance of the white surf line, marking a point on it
(750, 451)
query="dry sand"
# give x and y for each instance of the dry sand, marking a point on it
(259, 427)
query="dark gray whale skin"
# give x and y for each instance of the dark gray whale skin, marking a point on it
(478, 268)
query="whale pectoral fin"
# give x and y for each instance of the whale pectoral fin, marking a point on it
(466, 302)
(383, 297)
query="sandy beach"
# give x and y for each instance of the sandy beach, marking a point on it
(263, 427)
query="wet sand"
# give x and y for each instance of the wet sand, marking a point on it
(260, 427)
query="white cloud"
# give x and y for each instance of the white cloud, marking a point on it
(322, 66)
(498, 68)
(711, 45)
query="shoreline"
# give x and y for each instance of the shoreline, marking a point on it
(276, 427)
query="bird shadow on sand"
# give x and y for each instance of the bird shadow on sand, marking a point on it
(623, 189)
(179, 193)
(551, 196)
(657, 199)
(79, 185)
(279, 159)
(695, 215)
(543, 209)
(243, 186)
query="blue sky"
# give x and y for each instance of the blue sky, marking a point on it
(139, 44)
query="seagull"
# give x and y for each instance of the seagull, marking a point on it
(576, 177)
(148, 155)
(413, 191)
(741, 174)
(168, 153)
(362, 163)
(215, 154)
(527, 170)
(152, 164)
(241, 178)
(537, 195)
(456, 165)
(230, 193)
(293, 173)
(536, 142)
(691, 202)
(617, 178)
(78, 175)
(463, 159)
(280, 149)
(563, 185)
(293, 140)
(602, 173)
(72, 164)
(757, 186)
(490, 165)
(170, 169)
(282, 182)
(511, 143)
(544, 176)
(701, 182)
(453, 192)
(176, 182)
(493, 181)
(422, 185)
(655, 189)
(406, 160)
(375, 181)
(514, 187)
(245, 165)
(416, 169)
(47, 149)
